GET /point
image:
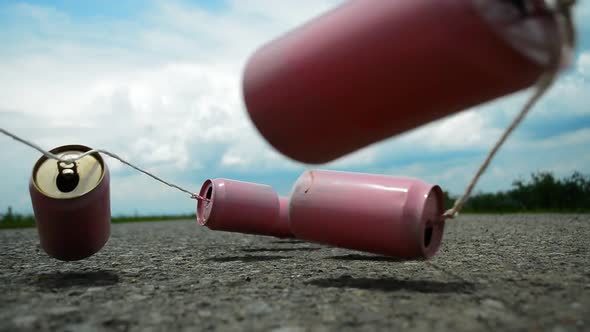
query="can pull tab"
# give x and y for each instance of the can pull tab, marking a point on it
(67, 178)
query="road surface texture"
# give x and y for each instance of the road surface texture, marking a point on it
(498, 273)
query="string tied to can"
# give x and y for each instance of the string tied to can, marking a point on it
(72, 158)
(561, 12)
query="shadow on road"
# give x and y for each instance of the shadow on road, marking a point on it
(75, 279)
(356, 257)
(246, 259)
(393, 285)
(278, 249)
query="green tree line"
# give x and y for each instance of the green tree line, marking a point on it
(543, 192)
(15, 220)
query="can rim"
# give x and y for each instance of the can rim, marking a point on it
(208, 190)
(59, 149)
(535, 16)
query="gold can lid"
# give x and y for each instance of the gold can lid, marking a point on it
(68, 180)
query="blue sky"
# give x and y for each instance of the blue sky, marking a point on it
(158, 82)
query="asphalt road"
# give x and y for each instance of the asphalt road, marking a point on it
(500, 273)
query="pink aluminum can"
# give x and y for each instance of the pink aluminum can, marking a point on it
(71, 204)
(243, 207)
(393, 216)
(369, 70)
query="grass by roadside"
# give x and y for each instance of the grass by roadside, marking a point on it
(29, 221)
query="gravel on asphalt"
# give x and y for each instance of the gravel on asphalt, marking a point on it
(493, 272)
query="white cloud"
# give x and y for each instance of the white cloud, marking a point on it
(229, 159)
(291, 12)
(464, 130)
(163, 93)
(584, 64)
(179, 100)
(577, 137)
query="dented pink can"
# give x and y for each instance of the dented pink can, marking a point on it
(393, 216)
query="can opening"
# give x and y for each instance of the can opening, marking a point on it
(530, 27)
(67, 178)
(428, 234)
(204, 207)
(520, 5)
(67, 181)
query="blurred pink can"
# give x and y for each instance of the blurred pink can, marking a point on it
(369, 70)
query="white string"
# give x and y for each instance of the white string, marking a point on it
(71, 158)
(544, 84)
